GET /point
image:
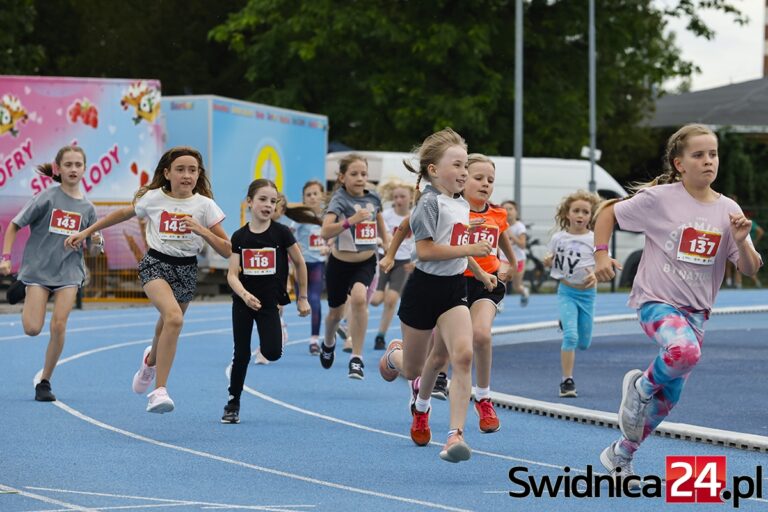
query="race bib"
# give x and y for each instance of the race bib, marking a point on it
(64, 222)
(259, 262)
(173, 227)
(316, 242)
(460, 234)
(699, 247)
(365, 233)
(487, 232)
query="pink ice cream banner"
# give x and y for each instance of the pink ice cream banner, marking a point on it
(117, 122)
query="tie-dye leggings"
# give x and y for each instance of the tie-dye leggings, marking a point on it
(679, 334)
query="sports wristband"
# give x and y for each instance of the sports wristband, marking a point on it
(303, 297)
(601, 247)
(6, 257)
(346, 224)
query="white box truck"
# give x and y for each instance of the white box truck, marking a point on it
(545, 181)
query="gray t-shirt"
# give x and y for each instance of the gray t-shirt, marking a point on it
(363, 235)
(52, 216)
(443, 219)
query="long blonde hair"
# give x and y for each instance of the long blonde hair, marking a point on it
(561, 217)
(431, 151)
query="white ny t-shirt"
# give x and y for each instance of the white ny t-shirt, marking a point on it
(573, 256)
(165, 229)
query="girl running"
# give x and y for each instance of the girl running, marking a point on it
(518, 236)
(181, 218)
(353, 218)
(257, 275)
(315, 252)
(391, 283)
(570, 256)
(48, 268)
(690, 232)
(436, 292)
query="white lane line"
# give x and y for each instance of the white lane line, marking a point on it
(45, 499)
(294, 476)
(115, 326)
(227, 460)
(164, 502)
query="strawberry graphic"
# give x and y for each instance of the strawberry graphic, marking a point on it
(143, 176)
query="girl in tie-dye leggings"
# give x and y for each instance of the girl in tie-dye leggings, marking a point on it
(691, 231)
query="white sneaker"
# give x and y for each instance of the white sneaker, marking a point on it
(258, 358)
(159, 401)
(633, 408)
(146, 374)
(619, 465)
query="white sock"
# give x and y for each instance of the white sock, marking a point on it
(422, 405)
(640, 389)
(481, 393)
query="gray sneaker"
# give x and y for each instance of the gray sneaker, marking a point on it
(618, 465)
(633, 408)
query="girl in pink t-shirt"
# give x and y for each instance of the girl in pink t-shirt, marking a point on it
(690, 231)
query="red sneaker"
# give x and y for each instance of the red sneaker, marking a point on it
(489, 422)
(420, 431)
(388, 373)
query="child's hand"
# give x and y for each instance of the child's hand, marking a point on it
(505, 273)
(482, 248)
(547, 261)
(590, 280)
(251, 301)
(604, 266)
(97, 239)
(360, 215)
(303, 306)
(190, 224)
(490, 281)
(740, 227)
(386, 263)
(5, 267)
(74, 241)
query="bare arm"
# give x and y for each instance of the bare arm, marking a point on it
(215, 236)
(428, 250)
(112, 218)
(604, 264)
(8, 239)
(233, 278)
(332, 227)
(300, 267)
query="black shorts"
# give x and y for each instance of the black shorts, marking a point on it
(179, 273)
(395, 278)
(341, 276)
(476, 291)
(427, 296)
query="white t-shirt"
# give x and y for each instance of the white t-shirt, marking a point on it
(573, 256)
(393, 220)
(516, 229)
(165, 229)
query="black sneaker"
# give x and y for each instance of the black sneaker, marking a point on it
(326, 355)
(16, 293)
(380, 343)
(43, 392)
(356, 368)
(440, 391)
(568, 388)
(231, 414)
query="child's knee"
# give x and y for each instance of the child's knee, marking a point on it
(272, 353)
(584, 344)
(569, 344)
(682, 356)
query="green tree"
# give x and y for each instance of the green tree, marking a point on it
(389, 72)
(20, 53)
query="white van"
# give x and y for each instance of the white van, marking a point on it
(545, 181)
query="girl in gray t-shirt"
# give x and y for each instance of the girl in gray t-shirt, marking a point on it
(48, 267)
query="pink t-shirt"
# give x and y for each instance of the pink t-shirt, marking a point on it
(687, 243)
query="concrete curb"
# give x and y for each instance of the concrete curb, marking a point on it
(683, 431)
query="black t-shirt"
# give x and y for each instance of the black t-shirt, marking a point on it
(264, 262)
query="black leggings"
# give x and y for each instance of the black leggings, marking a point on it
(270, 340)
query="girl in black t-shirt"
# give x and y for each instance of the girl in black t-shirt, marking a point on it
(258, 271)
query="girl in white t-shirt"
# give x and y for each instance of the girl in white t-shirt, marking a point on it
(391, 283)
(572, 262)
(181, 218)
(690, 232)
(518, 236)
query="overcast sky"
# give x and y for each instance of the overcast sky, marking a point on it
(736, 52)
